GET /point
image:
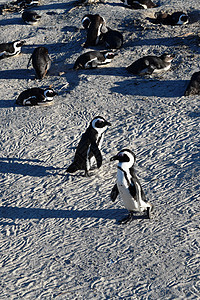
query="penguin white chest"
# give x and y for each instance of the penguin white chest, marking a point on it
(123, 182)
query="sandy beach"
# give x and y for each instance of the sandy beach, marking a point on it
(60, 237)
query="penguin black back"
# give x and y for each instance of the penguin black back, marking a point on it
(194, 85)
(41, 61)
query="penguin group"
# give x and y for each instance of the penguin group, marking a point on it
(88, 154)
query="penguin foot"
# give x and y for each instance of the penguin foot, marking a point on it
(127, 219)
(149, 210)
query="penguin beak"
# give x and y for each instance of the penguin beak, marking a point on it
(107, 123)
(114, 158)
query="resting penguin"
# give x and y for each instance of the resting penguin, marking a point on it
(30, 17)
(10, 49)
(36, 96)
(177, 18)
(194, 85)
(113, 39)
(139, 4)
(148, 65)
(41, 61)
(96, 26)
(92, 59)
(89, 147)
(17, 6)
(128, 185)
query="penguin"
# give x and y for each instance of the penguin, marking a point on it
(89, 147)
(96, 27)
(139, 4)
(41, 61)
(148, 65)
(10, 48)
(17, 6)
(30, 17)
(113, 39)
(194, 85)
(128, 186)
(36, 96)
(176, 18)
(92, 59)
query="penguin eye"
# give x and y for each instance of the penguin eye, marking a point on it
(99, 124)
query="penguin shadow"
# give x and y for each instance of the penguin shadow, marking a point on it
(6, 103)
(13, 21)
(151, 87)
(67, 5)
(14, 213)
(14, 74)
(25, 167)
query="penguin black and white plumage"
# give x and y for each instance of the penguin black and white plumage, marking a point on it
(194, 85)
(176, 18)
(30, 17)
(113, 39)
(139, 4)
(36, 96)
(17, 6)
(96, 27)
(148, 65)
(128, 185)
(10, 49)
(41, 61)
(89, 147)
(92, 59)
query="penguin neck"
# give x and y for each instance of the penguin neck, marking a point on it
(124, 172)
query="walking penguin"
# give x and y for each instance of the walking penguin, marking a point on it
(89, 147)
(128, 186)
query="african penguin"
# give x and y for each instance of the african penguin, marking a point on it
(92, 59)
(89, 147)
(36, 96)
(30, 17)
(113, 39)
(139, 4)
(17, 6)
(194, 85)
(10, 49)
(128, 185)
(148, 65)
(176, 18)
(41, 61)
(96, 27)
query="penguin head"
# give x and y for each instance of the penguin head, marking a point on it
(109, 55)
(49, 93)
(167, 57)
(86, 21)
(125, 156)
(17, 45)
(180, 18)
(100, 124)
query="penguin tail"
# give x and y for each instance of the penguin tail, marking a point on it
(72, 168)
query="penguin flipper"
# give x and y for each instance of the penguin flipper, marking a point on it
(97, 154)
(114, 193)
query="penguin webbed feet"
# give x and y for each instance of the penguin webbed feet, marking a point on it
(148, 211)
(127, 219)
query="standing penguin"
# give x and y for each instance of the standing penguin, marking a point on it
(92, 59)
(194, 85)
(148, 65)
(89, 147)
(96, 27)
(10, 49)
(41, 61)
(36, 96)
(30, 17)
(128, 185)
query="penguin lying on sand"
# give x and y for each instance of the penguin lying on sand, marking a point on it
(89, 147)
(30, 17)
(93, 59)
(95, 26)
(128, 186)
(139, 4)
(36, 96)
(17, 6)
(177, 18)
(113, 39)
(148, 65)
(41, 61)
(10, 49)
(194, 85)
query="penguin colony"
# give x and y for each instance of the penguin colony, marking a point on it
(88, 153)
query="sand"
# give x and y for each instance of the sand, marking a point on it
(60, 237)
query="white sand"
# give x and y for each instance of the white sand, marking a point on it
(59, 234)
